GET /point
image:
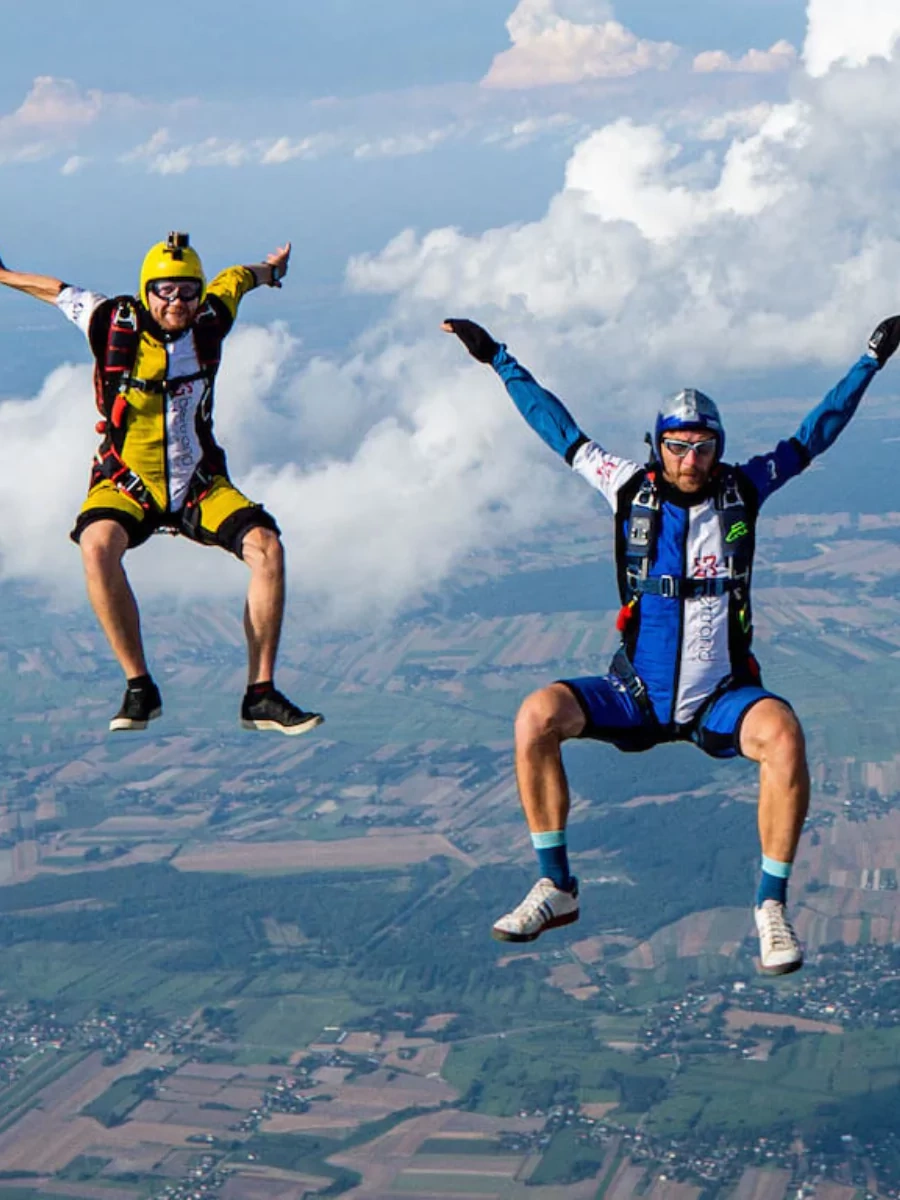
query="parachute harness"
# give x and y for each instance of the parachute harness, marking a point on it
(638, 527)
(113, 379)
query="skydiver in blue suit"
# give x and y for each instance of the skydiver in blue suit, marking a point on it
(685, 529)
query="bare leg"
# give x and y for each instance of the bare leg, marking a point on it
(771, 735)
(263, 613)
(103, 545)
(545, 720)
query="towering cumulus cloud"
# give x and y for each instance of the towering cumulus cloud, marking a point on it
(852, 34)
(564, 41)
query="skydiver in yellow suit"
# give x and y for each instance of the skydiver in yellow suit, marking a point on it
(159, 466)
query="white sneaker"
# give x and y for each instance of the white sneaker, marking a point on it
(779, 950)
(545, 907)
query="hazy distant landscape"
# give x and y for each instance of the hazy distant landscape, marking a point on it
(238, 966)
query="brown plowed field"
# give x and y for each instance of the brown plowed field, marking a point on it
(757, 1184)
(626, 1182)
(436, 1022)
(85, 1192)
(668, 1189)
(46, 1138)
(429, 1059)
(376, 850)
(738, 1018)
(268, 1183)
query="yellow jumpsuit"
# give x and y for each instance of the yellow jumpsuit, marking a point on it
(168, 432)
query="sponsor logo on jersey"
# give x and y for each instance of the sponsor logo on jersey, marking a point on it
(738, 530)
(706, 566)
(605, 469)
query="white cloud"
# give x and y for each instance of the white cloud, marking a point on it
(522, 133)
(739, 120)
(161, 155)
(54, 113)
(385, 524)
(54, 104)
(655, 261)
(164, 158)
(55, 428)
(383, 472)
(73, 164)
(402, 145)
(285, 149)
(839, 32)
(779, 57)
(555, 42)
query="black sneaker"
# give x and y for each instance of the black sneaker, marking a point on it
(272, 710)
(140, 705)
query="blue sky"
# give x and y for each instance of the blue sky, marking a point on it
(287, 48)
(732, 25)
(232, 50)
(218, 71)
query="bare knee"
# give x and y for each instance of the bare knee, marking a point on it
(772, 734)
(102, 546)
(263, 552)
(548, 717)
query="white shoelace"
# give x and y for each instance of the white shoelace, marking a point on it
(778, 928)
(530, 906)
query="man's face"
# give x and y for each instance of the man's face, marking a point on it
(173, 303)
(688, 457)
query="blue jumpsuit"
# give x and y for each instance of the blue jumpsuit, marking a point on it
(682, 654)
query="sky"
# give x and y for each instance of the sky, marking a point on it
(635, 196)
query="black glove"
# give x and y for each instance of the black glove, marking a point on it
(476, 340)
(885, 339)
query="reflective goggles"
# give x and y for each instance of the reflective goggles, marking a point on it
(170, 290)
(681, 449)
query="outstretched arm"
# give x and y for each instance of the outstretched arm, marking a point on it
(820, 428)
(271, 272)
(42, 287)
(232, 284)
(547, 416)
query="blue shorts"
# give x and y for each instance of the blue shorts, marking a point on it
(614, 715)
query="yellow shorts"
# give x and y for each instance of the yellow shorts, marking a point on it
(225, 516)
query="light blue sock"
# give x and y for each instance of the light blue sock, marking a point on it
(553, 857)
(773, 881)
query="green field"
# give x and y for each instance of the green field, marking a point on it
(568, 1159)
(113, 1106)
(464, 1146)
(559, 1065)
(810, 1081)
(417, 1184)
(277, 1024)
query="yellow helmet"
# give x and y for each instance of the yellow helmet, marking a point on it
(174, 258)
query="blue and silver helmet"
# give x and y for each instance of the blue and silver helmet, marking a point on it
(689, 409)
